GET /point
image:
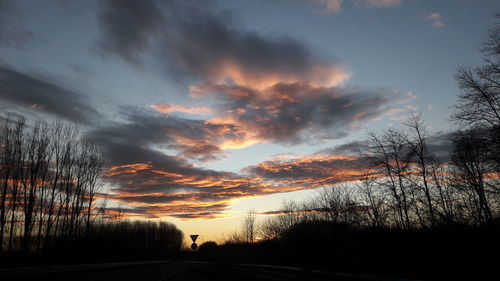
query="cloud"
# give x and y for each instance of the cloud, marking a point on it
(210, 46)
(344, 163)
(153, 184)
(377, 3)
(195, 139)
(127, 27)
(40, 95)
(293, 113)
(261, 88)
(154, 189)
(440, 144)
(213, 48)
(312, 171)
(334, 6)
(435, 20)
(170, 108)
(355, 148)
(329, 6)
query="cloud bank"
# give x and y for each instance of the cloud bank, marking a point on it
(41, 95)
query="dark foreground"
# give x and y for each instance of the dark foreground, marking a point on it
(173, 270)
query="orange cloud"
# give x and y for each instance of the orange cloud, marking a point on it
(319, 75)
(190, 193)
(169, 108)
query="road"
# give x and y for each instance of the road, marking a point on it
(172, 271)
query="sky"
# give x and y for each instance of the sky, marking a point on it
(205, 110)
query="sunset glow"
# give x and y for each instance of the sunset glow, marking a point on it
(206, 110)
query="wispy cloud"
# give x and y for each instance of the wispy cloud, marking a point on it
(377, 3)
(329, 6)
(170, 108)
(153, 189)
(335, 6)
(435, 19)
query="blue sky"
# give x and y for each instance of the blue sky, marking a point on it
(197, 100)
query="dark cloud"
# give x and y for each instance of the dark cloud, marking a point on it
(267, 88)
(194, 139)
(194, 38)
(127, 26)
(44, 96)
(440, 144)
(201, 151)
(354, 148)
(213, 47)
(293, 113)
(179, 211)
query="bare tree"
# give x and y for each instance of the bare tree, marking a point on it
(34, 174)
(417, 144)
(479, 102)
(277, 224)
(249, 226)
(373, 201)
(471, 167)
(445, 204)
(338, 204)
(49, 179)
(390, 152)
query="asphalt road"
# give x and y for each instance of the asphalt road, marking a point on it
(172, 270)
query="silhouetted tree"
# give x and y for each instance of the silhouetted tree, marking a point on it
(372, 199)
(471, 169)
(338, 204)
(476, 148)
(391, 153)
(289, 214)
(479, 101)
(49, 178)
(422, 159)
(249, 226)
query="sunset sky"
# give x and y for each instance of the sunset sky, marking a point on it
(207, 109)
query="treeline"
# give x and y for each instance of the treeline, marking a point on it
(49, 181)
(451, 252)
(50, 200)
(408, 187)
(120, 241)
